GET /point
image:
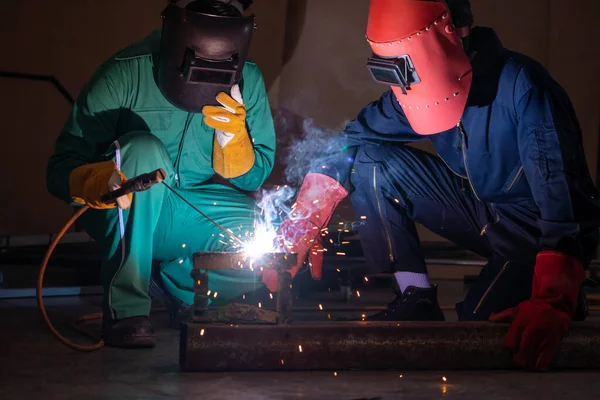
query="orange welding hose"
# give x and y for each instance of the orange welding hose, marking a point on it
(39, 287)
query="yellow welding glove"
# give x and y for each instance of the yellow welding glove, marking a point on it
(88, 183)
(233, 153)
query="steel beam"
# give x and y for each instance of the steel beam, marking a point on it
(368, 346)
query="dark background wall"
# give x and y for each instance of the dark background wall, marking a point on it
(312, 54)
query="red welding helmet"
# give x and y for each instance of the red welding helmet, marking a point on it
(418, 52)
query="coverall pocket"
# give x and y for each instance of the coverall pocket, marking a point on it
(513, 179)
(368, 200)
(548, 154)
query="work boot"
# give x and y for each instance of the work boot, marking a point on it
(129, 333)
(415, 304)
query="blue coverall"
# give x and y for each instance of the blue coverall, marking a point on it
(510, 180)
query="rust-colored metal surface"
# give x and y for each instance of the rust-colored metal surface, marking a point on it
(279, 262)
(240, 261)
(236, 313)
(368, 346)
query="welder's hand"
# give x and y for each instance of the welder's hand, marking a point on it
(539, 324)
(233, 153)
(88, 183)
(304, 238)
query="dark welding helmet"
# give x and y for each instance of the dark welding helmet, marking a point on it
(202, 53)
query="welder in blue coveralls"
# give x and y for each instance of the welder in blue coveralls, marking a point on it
(510, 181)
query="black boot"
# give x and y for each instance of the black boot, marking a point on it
(129, 333)
(415, 304)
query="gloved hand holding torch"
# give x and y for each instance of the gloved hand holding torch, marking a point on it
(90, 182)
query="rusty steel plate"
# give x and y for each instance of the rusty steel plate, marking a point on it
(368, 346)
(240, 261)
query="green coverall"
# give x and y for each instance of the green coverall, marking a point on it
(122, 115)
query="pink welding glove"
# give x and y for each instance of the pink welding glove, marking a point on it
(300, 231)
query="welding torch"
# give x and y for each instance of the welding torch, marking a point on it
(138, 184)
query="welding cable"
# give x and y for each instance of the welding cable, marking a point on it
(39, 289)
(80, 320)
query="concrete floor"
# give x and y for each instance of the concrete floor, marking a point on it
(34, 365)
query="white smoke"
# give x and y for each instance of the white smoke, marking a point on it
(302, 155)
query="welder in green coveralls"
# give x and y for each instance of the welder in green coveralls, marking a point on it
(178, 102)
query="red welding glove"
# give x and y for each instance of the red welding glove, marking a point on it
(540, 323)
(300, 231)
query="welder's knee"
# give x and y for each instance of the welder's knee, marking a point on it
(143, 144)
(142, 149)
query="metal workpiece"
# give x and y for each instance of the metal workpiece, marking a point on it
(368, 346)
(240, 261)
(284, 296)
(279, 262)
(201, 293)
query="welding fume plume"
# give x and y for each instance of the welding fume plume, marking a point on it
(273, 206)
(304, 154)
